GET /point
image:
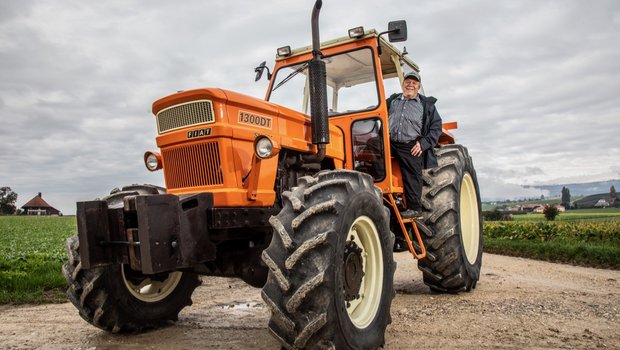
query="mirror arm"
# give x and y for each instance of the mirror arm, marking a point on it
(259, 72)
(383, 33)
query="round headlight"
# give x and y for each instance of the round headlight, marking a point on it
(264, 148)
(151, 161)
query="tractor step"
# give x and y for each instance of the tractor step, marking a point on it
(402, 223)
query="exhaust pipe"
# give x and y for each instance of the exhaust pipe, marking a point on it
(318, 92)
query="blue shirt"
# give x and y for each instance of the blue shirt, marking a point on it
(405, 119)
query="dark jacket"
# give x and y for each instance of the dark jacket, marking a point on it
(431, 128)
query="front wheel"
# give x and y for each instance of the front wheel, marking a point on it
(331, 266)
(116, 298)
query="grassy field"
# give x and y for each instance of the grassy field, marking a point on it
(32, 248)
(588, 237)
(572, 215)
(31, 256)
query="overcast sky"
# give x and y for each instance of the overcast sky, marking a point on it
(534, 85)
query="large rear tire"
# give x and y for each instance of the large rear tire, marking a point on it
(116, 298)
(331, 267)
(452, 229)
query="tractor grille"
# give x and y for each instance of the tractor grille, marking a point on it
(186, 114)
(193, 165)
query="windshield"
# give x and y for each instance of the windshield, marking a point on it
(351, 84)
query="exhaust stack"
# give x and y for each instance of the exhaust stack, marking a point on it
(318, 92)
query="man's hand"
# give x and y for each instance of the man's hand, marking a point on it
(416, 151)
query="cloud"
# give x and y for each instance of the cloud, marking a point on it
(492, 189)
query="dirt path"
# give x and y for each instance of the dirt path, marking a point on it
(518, 304)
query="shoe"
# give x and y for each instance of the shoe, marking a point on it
(411, 214)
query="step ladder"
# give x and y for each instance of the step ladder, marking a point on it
(403, 222)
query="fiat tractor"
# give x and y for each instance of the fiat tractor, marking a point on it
(297, 193)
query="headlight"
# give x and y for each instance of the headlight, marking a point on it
(263, 147)
(152, 161)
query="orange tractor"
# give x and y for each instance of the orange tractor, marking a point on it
(305, 207)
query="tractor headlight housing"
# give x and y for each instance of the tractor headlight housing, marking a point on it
(356, 33)
(152, 161)
(265, 148)
(284, 51)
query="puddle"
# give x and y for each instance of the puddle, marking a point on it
(240, 306)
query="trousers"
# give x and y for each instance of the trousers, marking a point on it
(411, 170)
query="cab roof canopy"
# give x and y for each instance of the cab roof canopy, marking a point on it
(389, 55)
(387, 52)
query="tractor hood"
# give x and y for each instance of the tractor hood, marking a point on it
(187, 115)
(207, 141)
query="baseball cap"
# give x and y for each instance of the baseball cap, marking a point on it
(413, 74)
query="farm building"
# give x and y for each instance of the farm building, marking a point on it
(541, 208)
(534, 208)
(38, 206)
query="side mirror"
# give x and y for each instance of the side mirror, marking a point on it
(397, 31)
(259, 71)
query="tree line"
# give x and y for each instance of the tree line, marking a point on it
(7, 201)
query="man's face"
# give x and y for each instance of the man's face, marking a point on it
(410, 88)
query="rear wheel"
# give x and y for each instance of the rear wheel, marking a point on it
(331, 266)
(117, 298)
(452, 229)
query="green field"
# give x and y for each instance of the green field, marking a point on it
(572, 215)
(31, 256)
(588, 237)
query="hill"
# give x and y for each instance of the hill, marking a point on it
(595, 200)
(580, 189)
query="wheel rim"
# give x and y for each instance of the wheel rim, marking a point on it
(149, 290)
(469, 220)
(363, 309)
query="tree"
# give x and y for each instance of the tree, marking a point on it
(7, 201)
(551, 212)
(565, 197)
(612, 196)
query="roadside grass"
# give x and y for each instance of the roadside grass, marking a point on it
(31, 257)
(599, 255)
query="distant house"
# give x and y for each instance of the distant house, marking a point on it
(601, 203)
(38, 206)
(530, 207)
(541, 208)
(517, 208)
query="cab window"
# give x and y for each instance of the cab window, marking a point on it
(351, 84)
(368, 152)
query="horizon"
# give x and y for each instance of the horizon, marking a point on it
(482, 200)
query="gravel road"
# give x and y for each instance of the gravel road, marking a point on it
(518, 304)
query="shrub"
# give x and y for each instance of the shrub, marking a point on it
(550, 212)
(496, 215)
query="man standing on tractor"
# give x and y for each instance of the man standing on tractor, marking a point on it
(415, 127)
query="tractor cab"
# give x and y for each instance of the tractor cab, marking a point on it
(362, 70)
